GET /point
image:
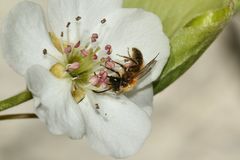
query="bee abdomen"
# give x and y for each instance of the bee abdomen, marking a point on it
(137, 55)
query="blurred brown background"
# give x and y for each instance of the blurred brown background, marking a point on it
(196, 118)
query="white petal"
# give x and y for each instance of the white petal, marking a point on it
(24, 36)
(143, 98)
(54, 103)
(60, 12)
(128, 28)
(118, 128)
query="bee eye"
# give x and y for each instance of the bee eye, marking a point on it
(115, 79)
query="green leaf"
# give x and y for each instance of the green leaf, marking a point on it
(191, 27)
(238, 6)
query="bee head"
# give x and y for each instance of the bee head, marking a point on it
(115, 82)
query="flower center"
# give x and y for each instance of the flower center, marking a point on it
(80, 62)
(78, 65)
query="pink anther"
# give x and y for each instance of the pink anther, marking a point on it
(77, 45)
(109, 62)
(95, 57)
(108, 48)
(94, 37)
(94, 80)
(68, 49)
(73, 66)
(100, 79)
(84, 53)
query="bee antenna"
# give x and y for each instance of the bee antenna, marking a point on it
(156, 56)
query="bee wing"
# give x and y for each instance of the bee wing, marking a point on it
(146, 69)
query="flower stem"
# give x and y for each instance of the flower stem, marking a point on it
(17, 116)
(15, 100)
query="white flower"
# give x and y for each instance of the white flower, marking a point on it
(114, 124)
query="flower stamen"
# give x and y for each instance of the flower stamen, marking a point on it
(68, 49)
(68, 24)
(103, 20)
(94, 37)
(68, 31)
(78, 18)
(77, 45)
(73, 66)
(46, 53)
(108, 48)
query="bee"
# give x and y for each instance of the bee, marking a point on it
(131, 72)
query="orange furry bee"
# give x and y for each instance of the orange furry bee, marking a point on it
(133, 70)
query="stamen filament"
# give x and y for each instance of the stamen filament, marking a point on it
(78, 27)
(68, 32)
(61, 42)
(46, 53)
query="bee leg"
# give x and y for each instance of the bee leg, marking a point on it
(112, 70)
(102, 90)
(125, 68)
(128, 58)
(129, 53)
